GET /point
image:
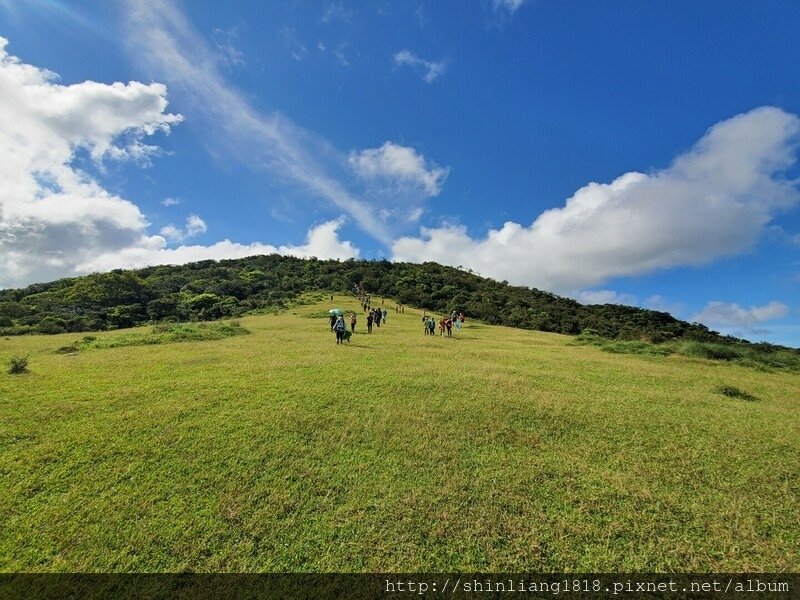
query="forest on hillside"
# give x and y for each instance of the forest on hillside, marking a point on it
(210, 290)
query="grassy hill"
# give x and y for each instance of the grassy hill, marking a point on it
(497, 450)
(231, 288)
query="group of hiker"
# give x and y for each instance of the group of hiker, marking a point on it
(446, 324)
(377, 317)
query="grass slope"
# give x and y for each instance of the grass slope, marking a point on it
(497, 450)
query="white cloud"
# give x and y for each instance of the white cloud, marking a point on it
(714, 200)
(322, 241)
(57, 221)
(52, 215)
(433, 69)
(401, 165)
(170, 202)
(606, 297)
(509, 6)
(162, 37)
(662, 304)
(728, 315)
(224, 41)
(337, 11)
(194, 226)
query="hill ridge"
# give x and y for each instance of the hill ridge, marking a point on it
(213, 289)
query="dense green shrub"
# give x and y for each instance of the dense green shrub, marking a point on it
(17, 365)
(734, 392)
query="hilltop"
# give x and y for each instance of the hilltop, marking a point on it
(231, 288)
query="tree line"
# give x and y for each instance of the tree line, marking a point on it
(210, 290)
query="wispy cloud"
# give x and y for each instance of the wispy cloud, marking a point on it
(337, 11)
(433, 69)
(161, 35)
(509, 6)
(224, 40)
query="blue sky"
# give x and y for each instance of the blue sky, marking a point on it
(634, 152)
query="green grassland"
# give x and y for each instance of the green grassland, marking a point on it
(498, 450)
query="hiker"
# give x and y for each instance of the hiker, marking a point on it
(431, 326)
(449, 325)
(425, 325)
(369, 322)
(333, 321)
(384, 316)
(376, 319)
(441, 327)
(353, 323)
(339, 329)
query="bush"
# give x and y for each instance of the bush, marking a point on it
(635, 347)
(67, 349)
(734, 392)
(51, 326)
(18, 364)
(588, 337)
(711, 351)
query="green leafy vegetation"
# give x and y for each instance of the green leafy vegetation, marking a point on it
(167, 333)
(499, 450)
(764, 357)
(17, 365)
(211, 290)
(734, 392)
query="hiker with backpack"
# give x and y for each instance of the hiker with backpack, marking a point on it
(353, 323)
(339, 328)
(369, 322)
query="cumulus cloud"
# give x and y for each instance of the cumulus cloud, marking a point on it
(606, 297)
(53, 215)
(730, 315)
(433, 69)
(660, 303)
(715, 200)
(399, 165)
(322, 241)
(56, 220)
(194, 226)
